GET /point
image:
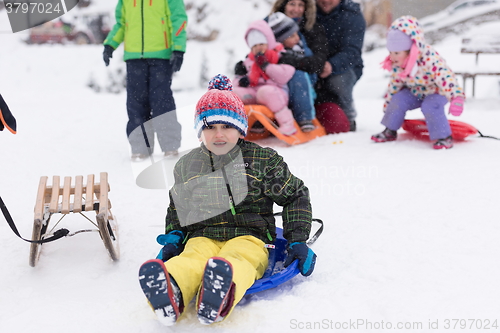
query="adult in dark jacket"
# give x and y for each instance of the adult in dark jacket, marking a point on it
(344, 26)
(312, 32)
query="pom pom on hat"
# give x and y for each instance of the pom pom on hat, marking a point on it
(398, 41)
(220, 105)
(282, 26)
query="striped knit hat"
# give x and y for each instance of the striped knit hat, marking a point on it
(220, 105)
(282, 26)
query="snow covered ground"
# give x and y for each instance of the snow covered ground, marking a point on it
(411, 240)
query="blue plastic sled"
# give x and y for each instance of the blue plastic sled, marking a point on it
(275, 273)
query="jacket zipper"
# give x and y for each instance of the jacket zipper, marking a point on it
(142, 31)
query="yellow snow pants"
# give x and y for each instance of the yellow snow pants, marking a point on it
(247, 254)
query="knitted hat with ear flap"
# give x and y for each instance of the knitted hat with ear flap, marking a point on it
(220, 105)
(398, 41)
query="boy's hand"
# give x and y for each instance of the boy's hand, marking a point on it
(172, 244)
(107, 53)
(456, 106)
(261, 60)
(306, 256)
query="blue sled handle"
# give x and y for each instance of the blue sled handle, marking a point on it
(275, 279)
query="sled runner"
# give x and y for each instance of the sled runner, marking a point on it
(275, 273)
(77, 198)
(459, 130)
(266, 117)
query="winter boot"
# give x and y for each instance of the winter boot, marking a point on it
(385, 135)
(285, 120)
(216, 296)
(162, 292)
(445, 143)
(138, 157)
(306, 126)
(257, 128)
(352, 126)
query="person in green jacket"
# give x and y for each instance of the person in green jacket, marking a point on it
(220, 216)
(154, 36)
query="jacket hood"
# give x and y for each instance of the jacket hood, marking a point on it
(263, 27)
(410, 26)
(309, 18)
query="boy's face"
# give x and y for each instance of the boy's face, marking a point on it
(398, 57)
(295, 8)
(291, 41)
(220, 138)
(259, 48)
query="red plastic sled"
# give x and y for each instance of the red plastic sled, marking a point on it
(266, 117)
(459, 130)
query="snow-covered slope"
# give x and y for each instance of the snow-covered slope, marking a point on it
(411, 234)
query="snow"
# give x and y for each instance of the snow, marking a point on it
(411, 234)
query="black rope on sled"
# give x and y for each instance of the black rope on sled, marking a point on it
(316, 235)
(58, 234)
(487, 136)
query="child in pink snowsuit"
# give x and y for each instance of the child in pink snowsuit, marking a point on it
(421, 79)
(266, 81)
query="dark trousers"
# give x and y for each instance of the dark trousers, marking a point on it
(151, 106)
(338, 89)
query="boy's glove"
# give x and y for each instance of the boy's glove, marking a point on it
(172, 244)
(244, 82)
(261, 60)
(306, 256)
(456, 106)
(108, 53)
(176, 60)
(240, 69)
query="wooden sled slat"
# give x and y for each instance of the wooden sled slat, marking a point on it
(77, 204)
(54, 199)
(89, 193)
(65, 208)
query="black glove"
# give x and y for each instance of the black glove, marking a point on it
(244, 82)
(108, 53)
(240, 68)
(306, 256)
(172, 244)
(261, 60)
(176, 60)
(289, 59)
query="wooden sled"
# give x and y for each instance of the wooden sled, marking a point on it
(75, 198)
(266, 117)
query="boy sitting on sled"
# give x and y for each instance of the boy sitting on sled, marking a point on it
(220, 216)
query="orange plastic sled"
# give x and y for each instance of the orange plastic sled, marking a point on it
(266, 117)
(418, 127)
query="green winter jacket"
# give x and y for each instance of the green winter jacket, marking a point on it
(255, 178)
(149, 28)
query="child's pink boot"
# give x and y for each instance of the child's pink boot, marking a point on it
(285, 120)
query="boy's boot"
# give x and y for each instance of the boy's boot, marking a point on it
(161, 290)
(445, 143)
(216, 296)
(385, 135)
